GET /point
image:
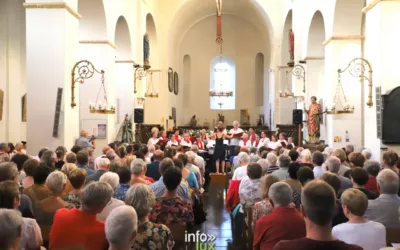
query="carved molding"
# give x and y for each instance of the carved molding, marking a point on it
(112, 45)
(125, 61)
(311, 58)
(371, 5)
(342, 38)
(53, 5)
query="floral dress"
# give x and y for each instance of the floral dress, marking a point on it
(260, 209)
(172, 211)
(73, 199)
(153, 236)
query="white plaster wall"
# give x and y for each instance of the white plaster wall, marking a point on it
(241, 43)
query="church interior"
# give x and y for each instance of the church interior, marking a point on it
(243, 97)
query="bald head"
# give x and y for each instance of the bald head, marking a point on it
(388, 182)
(158, 155)
(105, 149)
(84, 133)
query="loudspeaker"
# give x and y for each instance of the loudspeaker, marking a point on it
(297, 116)
(138, 116)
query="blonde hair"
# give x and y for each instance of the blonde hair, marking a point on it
(339, 153)
(67, 168)
(355, 200)
(266, 183)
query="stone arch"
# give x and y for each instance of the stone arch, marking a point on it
(93, 25)
(123, 40)
(351, 25)
(152, 33)
(316, 36)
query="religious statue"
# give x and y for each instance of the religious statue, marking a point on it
(193, 121)
(291, 45)
(127, 136)
(146, 51)
(314, 120)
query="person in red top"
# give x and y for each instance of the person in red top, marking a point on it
(200, 143)
(79, 228)
(283, 223)
(318, 209)
(373, 168)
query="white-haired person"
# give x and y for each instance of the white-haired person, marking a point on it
(121, 228)
(149, 235)
(385, 208)
(367, 153)
(272, 160)
(235, 141)
(369, 235)
(113, 180)
(31, 236)
(102, 168)
(138, 170)
(79, 227)
(305, 158)
(245, 142)
(154, 138)
(44, 210)
(241, 172)
(11, 226)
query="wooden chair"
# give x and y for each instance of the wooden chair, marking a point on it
(392, 236)
(178, 233)
(248, 232)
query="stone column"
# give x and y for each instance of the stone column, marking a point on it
(381, 49)
(52, 40)
(339, 51)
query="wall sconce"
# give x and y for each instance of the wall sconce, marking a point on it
(140, 72)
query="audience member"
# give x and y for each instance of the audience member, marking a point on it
(249, 188)
(102, 168)
(82, 161)
(367, 153)
(79, 228)
(389, 160)
(264, 206)
(339, 153)
(369, 235)
(138, 170)
(304, 175)
(11, 226)
(29, 168)
(113, 180)
(318, 209)
(317, 161)
(359, 178)
(241, 171)
(71, 158)
(272, 160)
(149, 235)
(373, 168)
(38, 191)
(356, 159)
(385, 208)
(121, 228)
(77, 179)
(19, 160)
(305, 158)
(153, 168)
(124, 174)
(333, 166)
(283, 223)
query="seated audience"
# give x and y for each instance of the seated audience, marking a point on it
(359, 178)
(61, 151)
(293, 181)
(190, 164)
(49, 158)
(249, 188)
(318, 209)
(170, 208)
(334, 181)
(339, 153)
(304, 175)
(159, 188)
(102, 168)
(367, 153)
(9, 172)
(46, 208)
(333, 166)
(82, 161)
(187, 176)
(389, 160)
(241, 171)
(70, 158)
(283, 223)
(385, 208)
(29, 168)
(113, 180)
(356, 159)
(77, 178)
(317, 161)
(373, 168)
(124, 174)
(67, 169)
(38, 191)
(283, 171)
(235, 161)
(121, 228)
(294, 156)
(31, 237)
(305, 159)
(263, 161)
(149, 235)
(19, 160)
(138, 169)
(272, 160)
(79, 228)
(11, 225)
(369, 235)
(264, 206)
(152, 168)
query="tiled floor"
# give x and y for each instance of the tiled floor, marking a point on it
(218, 219)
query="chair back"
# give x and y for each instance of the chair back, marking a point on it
(249, 230)
(392, 236)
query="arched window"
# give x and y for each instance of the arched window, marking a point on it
(222, 80)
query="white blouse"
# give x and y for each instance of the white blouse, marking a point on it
(171, 143)
(247, 144)
(152, 141)
(264, 142)
(273, 145)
